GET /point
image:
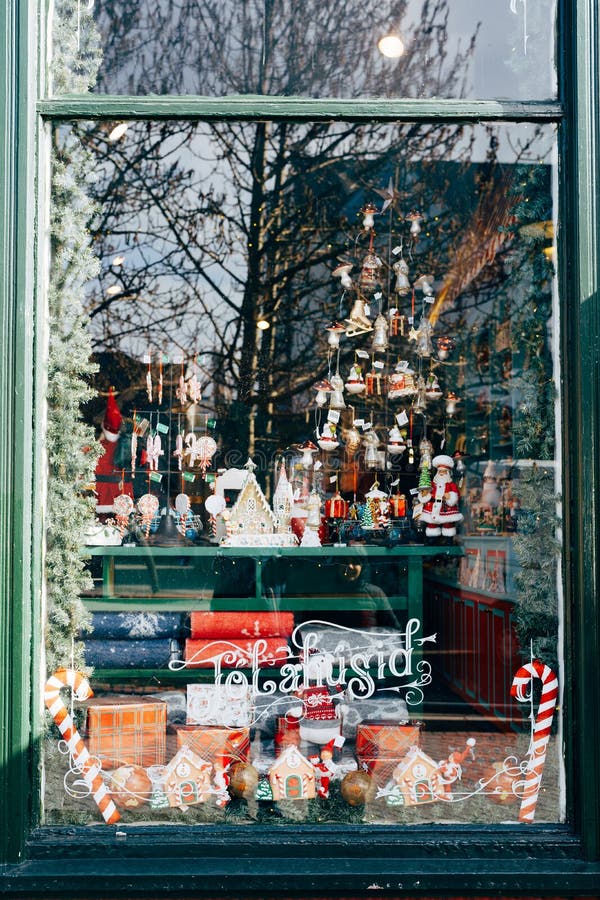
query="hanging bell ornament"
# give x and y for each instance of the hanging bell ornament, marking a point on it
(445, 346)
(336, 329)
(452, 402)
(328, 439)
(432, 388)
(423, 283)
(343, 273)
(355, 383)
(323, 388)
(420, 404)
(369, 272)
(336, 401)
(380, 335)
(415, 219)
(402, 286)
(308, 450)
(368, 212)
(396, 442)
(459, 465)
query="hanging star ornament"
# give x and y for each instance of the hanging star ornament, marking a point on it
(414, 334)
(390, 195)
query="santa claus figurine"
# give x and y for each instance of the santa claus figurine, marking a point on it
(440, 511)
(109, 480)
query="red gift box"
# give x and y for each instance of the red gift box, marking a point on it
(381, 745)
(220, 746)
(240, 625)
(127, 732)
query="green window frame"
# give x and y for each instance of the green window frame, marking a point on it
(314, 860)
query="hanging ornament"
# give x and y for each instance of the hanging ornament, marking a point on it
(415, 219)
(336, 330)
(313, 507)
(149, 380)
(380, 335)
(420, 404)
(358, 788)
(178, 451)
(375, 383)
(451, 404)
(181, 390)
(336, 401)
(355, 383)
(154, 451)
(401, 381)
(423, 283)
(147, 507)
(369, 211)
(369, 272)
(398, 508)
(183, 516)
(424, 346)
(160, 379)
(328, 440)
(358, 322)
(134, 443)
(194, 390)
(308, 450)
(445, 346)
(433, 390)
(402, 285)
(396, 323)
(371, 443)
(413, 334)
(322, 388)
(353, 438)
(201, 450)
(343, 273)
(336, 507)
(490, 494)
(425, 453)
(122, 508)
(396, 442)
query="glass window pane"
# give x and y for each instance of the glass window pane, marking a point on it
(399, 48)
(306, 531)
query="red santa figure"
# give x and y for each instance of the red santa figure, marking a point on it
(109, 480)
(440, 511)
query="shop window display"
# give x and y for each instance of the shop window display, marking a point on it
(319, 580)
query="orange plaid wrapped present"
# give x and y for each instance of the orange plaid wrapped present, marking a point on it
(219, 746)
(381, 745)
(123, 731)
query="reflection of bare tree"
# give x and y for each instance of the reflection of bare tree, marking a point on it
(276, 47)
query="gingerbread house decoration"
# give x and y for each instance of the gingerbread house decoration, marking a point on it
(251, 522)
(417, 779)
(292, 776)
(187, 779)
(283, 501)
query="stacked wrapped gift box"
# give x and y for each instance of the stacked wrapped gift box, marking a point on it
(238, 638)
(133, 640)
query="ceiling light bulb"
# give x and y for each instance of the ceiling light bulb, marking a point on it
(262, 324)
(118, 131)
(113, 289)
(118, 261)
(391, 45)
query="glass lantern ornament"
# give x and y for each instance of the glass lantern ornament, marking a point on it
(369, 272)
(425, 453)
(379, 343)
(424, 283)
(308, 450)
(415, 219)
(355, 383)
(336, 400)
(402, 285)
(335, 330)
(396, 442)
(369, 211)
(327, 440)
(420, 404)
(343, 273)
(452, 402)
(424, 344)
(445, 346)
(323, 388)
(432, 388)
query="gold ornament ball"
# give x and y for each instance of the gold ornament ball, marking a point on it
(357, 788)
(500, 787)
(243, 780)
(130, 787)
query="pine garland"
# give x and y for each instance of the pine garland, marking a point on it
(72, 450)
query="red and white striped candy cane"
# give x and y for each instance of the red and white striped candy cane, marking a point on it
(90, 769)
(541, 728)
